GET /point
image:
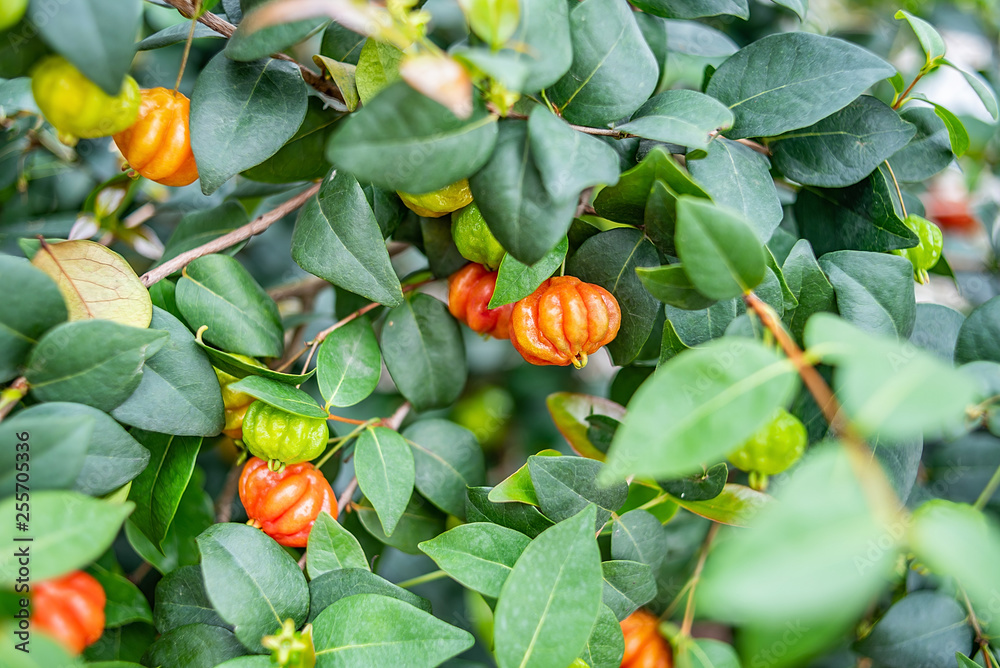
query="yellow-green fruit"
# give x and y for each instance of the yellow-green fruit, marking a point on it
(276, 435)
(473, 238)
(11, 12)
(76, 106)
(439, 202)
(775, 447)
(486, 413)
(236, 403)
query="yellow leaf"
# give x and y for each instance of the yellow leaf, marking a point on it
(96, 282)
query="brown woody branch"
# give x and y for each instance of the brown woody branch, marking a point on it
(226, 29)
(255, 226)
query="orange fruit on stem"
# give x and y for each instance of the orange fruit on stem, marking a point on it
(564, 321)
(470, 290)
(284, 504)
(158, 144)
(644, 646)
(70, 608)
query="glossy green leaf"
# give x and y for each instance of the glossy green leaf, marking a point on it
(978, 336)
(516, 280)
(378, 68)
(605, 646)
(679, 9)
(26, 313)
(736, 505)
(194, 646)
(928, 152)
(808, 284)
(670, 284)
(47, 451)
(266, 93)
(479, 555)
(707, 652)
(566, 485)
(423, 350)
(68, 530)
(493, 21)
(158, 489)
(93, 362)
(253, 583)
(303, 157)
(930, 39)
(280, 395)
(384, 466)
(332, 547)
(517, 487)
(373, 630)
(703, 486)
(348, 364)
(628, 585)
(982, 89)
(125, 603)
(791, 80)
(247, 44)
(874, 290)
(568, 160)
(518, 516)
(448, 459)
(842, 148)
(924, 627)
(338, 239)
(419, 522)
(721, 254)
(545, 33)
(683, 117)
(936, 329)
(551, 598)
(405, 141)
(174, 34)
(673, 426)
(234, 366)
(638, 536)
(181, 599)
(332, 586)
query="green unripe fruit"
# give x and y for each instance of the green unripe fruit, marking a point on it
(281, 437)
(473, 238)
(11, 11)
(774, 448)
(927, 252)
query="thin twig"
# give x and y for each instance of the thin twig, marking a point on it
(902, 97)
(344, 499)
(224, 504)
(307, 287)
(899, 193)
(187, 53)
(255, 226)
(689, 608)
(12, 395)
(396, 419)
(981, 639)
(140, 572)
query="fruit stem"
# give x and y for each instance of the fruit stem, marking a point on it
(689, 609)
(187, 46)
(899, 193)
(988, 491)
(421, 579)
(12, 395)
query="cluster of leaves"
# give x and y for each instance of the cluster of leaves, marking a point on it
(762, 205)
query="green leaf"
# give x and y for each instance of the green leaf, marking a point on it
(281, 396)
(739, 177)
(638, 536)
(551, 598)
(201, 226)
(384, 466)
(517, 487)
(679, 9)
(330, 587)
(977, 338)
(610, 260)
(479, 555)
(930, 39)
(342, 44)
(683, 117)
(808, 284)
(272, 38)
(518, 516)
(703, 486)
(891, 388)
(516, 280)
(736, 505)
(252, 582)
(174, 34)
(193, 646)
(267, 93)
(419, 522)
(125, 603)
(378, 68)
(791, 566)
(613, 70)
(570, 412)
(606, 645)
(626, 202)
(511, 194)
(706, 652)
(720, 252)
(874, 290)
(860, 217)
(423, 350)
(405, 141)
(111, 459)
(566, 485)
(338, 239)
(26, 313)
(493, 21)
(928, 152)
(670, 284)
(373, 630)
(67, 529)
(46, 450)
(97, 36)
(332, 547)
(93, 362)
(981, 87)
(936, 329)
(628, 585)
(791, 80)
(924, 627)
(219, 292)
(673, 426)
(179, 392)
(158, 489)
(843, 148)
(181, 599)
(303, 157)
(448, 459)
(545, 33)
(348, 364)
(569, 161)
(235, 366)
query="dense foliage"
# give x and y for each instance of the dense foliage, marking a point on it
(305, 303)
